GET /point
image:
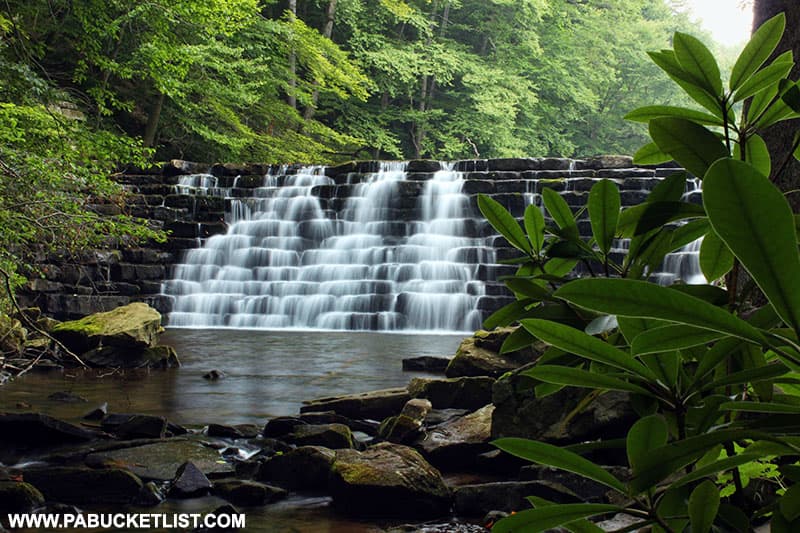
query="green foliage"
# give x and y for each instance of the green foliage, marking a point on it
(53, 174)
(713, 376)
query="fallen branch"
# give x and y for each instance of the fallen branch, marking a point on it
(30, 323)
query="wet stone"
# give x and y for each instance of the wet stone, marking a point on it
(247, 493)
(159, 461)
(189, 482)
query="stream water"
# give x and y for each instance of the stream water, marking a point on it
(267, 374)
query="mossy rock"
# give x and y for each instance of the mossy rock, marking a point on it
(19, 497)
(480, 355)
(133, 326)
(12, 335)
(387, 480)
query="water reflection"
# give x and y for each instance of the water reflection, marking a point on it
(268, 373)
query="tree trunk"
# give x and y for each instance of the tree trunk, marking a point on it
(779, 137)
(152, 122)
(292, 98)
(327, 31)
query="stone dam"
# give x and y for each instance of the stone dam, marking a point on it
(365, 245)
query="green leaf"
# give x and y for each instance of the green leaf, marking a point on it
(790, 94)
(750, 375)
(710, 293)
(578, 526)
(644, 217)
(650, 154)
(761, 45)
(665, 364)
(703, 506)
(575, 377)
(717, 466)
(527, 288)
(604, 205)
(644, 436)
(697, 60)
(504, 223)
(648, 113)
(763, 79)
(544, 518)
(633, 326)
(755, 221)
(672, 337)
(507, 314)
(789, 504)
(760, 407)
(560, 212)
(760, 102)
(558, 457)
(534, 225)
(642, 299)
(689, 232)
(668, 62)
(756, 153)
(518, 340)
(577, 342)
(693, 146)
(666, 460)
(670, 189)
(716, 259)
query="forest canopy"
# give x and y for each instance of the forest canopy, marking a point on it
(326, 80)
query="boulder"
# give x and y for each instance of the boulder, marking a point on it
(189, 482)
(12, 335)
(555, 418)
(22, 432)
(118, 357)
(332, 436)
(426, 363)
(375, 405)
(403, 428)
(239, 431)
(458, 393)
(457, 443)
(81, 485)
(159, 461)
(19, 497)
(387, 480)
(129, 427)
(304, 468)
(508, 496)
(329, 417)
(479, 355)
(281, 426)
(133, 326)
(247, 493)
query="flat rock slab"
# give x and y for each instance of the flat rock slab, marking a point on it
(160, 461)
(81, 485)
(375, 405)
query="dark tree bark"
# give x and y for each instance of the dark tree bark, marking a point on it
(327, 32)
(291, 98)
(152, 121)
(786, 169)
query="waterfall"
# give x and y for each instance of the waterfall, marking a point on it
(295, 257)
(399, 247)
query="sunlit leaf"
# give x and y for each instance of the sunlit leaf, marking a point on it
(755, 221)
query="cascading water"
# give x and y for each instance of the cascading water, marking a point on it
(286, 262)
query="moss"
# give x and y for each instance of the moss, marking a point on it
(18, 497)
